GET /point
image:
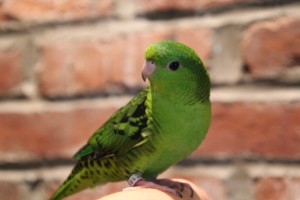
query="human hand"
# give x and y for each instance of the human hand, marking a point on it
(153, 194)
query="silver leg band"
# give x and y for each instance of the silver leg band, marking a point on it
(133, 179)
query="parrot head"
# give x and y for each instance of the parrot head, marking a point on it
(175, 71)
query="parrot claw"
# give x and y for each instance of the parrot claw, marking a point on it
(152, 185)
(176, 185)
(165, 185)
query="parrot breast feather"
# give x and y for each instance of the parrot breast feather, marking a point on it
(126, 129)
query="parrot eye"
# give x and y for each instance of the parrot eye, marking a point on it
(173, 66)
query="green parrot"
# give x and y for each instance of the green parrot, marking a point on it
(160, 126)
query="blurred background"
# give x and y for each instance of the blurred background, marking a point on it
(66, 66)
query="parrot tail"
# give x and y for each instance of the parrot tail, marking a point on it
(76, 182)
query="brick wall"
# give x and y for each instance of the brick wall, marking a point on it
(66, 66)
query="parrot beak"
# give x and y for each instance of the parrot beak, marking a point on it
(148, 69)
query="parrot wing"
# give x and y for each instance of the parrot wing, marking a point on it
(126, 129)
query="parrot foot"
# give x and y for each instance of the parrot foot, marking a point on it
(179, 186)
(153, 185)
(165, 185)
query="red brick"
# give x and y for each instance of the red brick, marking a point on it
(270, 47)
(253, 129)
(156, 5)
(92, 66)
(277, 189)
(238, 129)
(199, 39)
(97, 65)
(79, 70)
(48, 134)
(181, 5)
(10, 71)
(47, 10)
(9, 190)
(129, 51)
(3, 17)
